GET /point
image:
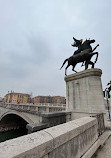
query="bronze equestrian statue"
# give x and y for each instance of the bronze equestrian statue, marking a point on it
(83, 46)
(83, 54)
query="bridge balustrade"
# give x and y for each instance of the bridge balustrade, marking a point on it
(41, 109)
(34, 108)
(26, 107)
(53, 109)
(100, 123)
(50, 104)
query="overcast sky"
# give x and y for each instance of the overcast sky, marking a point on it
(36, 37)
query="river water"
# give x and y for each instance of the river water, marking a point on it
(12, 134)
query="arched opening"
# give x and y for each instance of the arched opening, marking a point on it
(12, 126)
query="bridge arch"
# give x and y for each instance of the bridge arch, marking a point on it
(24, 117)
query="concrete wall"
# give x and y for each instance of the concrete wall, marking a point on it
(69, 140)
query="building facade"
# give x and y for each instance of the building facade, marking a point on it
(49, 99)
(17, 98)
(59, 100)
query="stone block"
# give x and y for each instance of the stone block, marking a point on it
(67, 131)
(46, 156)
(28, 146)
(67, 150)
(84, 92)
(34, 127)
(54, 118)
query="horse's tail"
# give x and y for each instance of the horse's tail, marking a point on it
(64, 63)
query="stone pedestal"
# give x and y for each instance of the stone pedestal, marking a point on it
(84, 94)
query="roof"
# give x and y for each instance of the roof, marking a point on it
(18, 93)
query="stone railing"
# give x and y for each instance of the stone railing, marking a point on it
(36, 108)
(49, 104)
(100, 123)
(72, 139)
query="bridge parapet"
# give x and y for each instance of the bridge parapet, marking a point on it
(77, 138)
(30, 108)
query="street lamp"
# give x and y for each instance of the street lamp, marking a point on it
(107, 96)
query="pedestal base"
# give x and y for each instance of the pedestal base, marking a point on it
(84, 94)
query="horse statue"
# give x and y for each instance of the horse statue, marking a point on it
(83, 54)
(86, 45)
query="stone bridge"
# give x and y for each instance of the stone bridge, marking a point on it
(13, 116)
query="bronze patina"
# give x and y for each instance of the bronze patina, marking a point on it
(83, 54)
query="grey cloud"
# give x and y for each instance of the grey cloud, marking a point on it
(39, 49)
(36, 37)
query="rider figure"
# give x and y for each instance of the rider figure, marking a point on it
(77, 43)
(82, 46)
(86, 45)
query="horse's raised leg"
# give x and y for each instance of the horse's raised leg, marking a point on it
(86, 65)
(96, 56)
(73, 68)
(95, 53)
(91, 63)
(66, 69)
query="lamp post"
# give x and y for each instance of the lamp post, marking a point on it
(107, 96)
